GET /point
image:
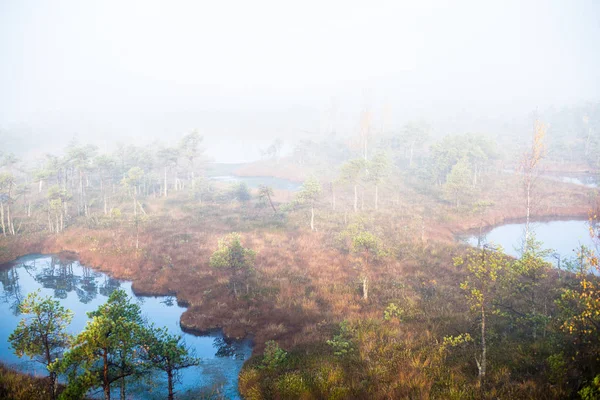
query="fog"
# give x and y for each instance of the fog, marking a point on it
(244, 73)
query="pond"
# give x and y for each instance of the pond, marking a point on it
(81, 289)
(254, 182)
(563, 237)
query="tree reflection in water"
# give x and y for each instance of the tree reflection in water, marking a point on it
(227, 348)
(108, 286)
(12, 294)
(88, 289)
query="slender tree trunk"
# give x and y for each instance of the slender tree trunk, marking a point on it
(528, 211)
(587, 141)
(355, 198)
(170, 383)
(362, 200)
(2, 218)
(80, 204)
(134, 206)
(11, 228)
(312, 218)
(40, 186)
(105, 382)
(141, 207)
(376, 197)
(28, 208)
(50, 228)
(105, 205)
(271, 202)
(165, 181)
(365, 279)
(482, 365)
(53, 383)
(332, 197)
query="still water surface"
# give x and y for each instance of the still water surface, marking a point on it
(81, 289)
(563, 237)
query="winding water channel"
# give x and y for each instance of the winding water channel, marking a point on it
(82, 289)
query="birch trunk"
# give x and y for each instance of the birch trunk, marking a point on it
(11, 228)
(2, 218)
(165, 181)
(482, 365)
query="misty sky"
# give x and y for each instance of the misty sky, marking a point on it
(245, 70)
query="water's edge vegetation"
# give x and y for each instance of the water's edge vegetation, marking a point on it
(351, 285)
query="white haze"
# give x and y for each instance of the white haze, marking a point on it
(245, 72)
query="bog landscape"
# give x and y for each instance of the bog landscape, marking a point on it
(424, 232)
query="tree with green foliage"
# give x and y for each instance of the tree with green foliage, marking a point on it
(265, 193)
(168, 158)
(367, 245)
(57, 199)
(412, 136)
(230, 254)
(529, 167)
(309, 193)
(191, 150)
(105, 166)
(484, 268)
(241, 192)
(341, 343)
(132, 181)
(41, 334)
(458, 182)
(80, 158)
(274, 150)
(7, 185)
(378, 170)
(274, 357)
(477, 150)
(167, 353)
(529, 271)
(479, 208)
(580, 308)
(105, 351)
(352, 172)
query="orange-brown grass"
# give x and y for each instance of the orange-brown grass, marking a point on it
(305, 283)
(17, 386)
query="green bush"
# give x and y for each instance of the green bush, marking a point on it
(274, 356)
